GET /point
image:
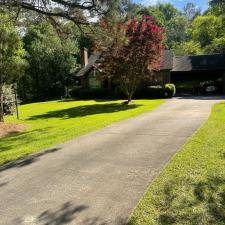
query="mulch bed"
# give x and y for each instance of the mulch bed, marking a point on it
(11, 128)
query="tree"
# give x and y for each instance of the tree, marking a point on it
(189, 48)
(206, 28)
(168, 10)
(131, 52)
(65, 9)
(12, 63)
(191, 11)
(52, 63)
(177, 31)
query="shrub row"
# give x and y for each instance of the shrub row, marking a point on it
(168, 91)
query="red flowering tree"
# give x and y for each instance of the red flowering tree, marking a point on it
(131, 52)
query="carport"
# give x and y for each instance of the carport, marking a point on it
(199, 68)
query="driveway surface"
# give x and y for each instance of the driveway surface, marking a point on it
(98, 179)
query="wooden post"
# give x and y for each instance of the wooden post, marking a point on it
(16, 101)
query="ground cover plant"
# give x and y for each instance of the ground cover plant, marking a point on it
(191, 189)
(50, 123)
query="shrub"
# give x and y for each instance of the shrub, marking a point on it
(169, 90)
(153, 92)
(8, 100)
(74, 92)
(89, 93)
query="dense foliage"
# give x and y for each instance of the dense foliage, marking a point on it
(52, 42)
(52, 63)
(12, 63)
(131, 51)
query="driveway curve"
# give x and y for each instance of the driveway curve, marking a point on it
(98, 178)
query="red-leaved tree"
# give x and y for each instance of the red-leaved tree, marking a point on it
(130, 52)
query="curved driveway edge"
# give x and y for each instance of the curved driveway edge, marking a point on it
(98, 179)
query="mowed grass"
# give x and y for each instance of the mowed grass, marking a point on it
(55, 122)
(191, 189)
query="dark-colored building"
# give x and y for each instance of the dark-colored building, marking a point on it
(174, 69)
(197, 69)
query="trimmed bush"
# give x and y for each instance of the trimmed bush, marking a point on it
(169, 90)
(153, 92)
(89, 93)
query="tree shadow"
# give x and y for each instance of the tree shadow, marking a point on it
(25, 161)
(202, 203)
(65, 214)
(3, 184)
(84, 110)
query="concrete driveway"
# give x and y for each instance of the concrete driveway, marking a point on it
(98, 179)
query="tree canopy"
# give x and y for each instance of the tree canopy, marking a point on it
(12, 53)
(130, 51)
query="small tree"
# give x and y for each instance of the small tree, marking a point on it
(131, 52)
(12, 63)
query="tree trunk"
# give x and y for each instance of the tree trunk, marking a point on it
(1, 104)
(129, 99)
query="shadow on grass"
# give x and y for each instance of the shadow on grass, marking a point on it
(85, 110)
(202, 203)
(27, 160)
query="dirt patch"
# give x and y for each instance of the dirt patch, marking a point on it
(11, 128)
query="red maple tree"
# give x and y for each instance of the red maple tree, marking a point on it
(131, 52)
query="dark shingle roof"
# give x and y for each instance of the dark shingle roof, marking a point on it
(166, 65)
(91, 62)
(199, 62)
(167, 60)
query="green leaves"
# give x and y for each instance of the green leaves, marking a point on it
(12, 62)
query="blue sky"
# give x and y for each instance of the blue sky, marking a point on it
(203, 4)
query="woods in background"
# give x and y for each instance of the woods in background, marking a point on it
(51, 42)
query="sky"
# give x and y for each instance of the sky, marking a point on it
(203, 4)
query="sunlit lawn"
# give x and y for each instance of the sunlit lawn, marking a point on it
(191, 189)
(54, 122)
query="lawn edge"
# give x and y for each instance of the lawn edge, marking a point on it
(156, 176)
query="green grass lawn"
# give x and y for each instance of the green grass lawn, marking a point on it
(191, 189)
(54, 122)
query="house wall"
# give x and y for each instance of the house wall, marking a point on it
(160, 78)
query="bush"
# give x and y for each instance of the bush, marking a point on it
(169, 90)
(89, 93)
(74, 92)
(153, 92)
(8, 100)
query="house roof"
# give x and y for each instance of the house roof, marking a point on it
(167, 60)
(199, 63)
(91, 63)
(166, 65)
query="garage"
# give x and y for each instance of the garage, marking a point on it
(202, 74)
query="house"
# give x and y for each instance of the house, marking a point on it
(174, 69)
(88, 75)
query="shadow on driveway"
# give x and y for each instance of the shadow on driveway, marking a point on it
(26, 160)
